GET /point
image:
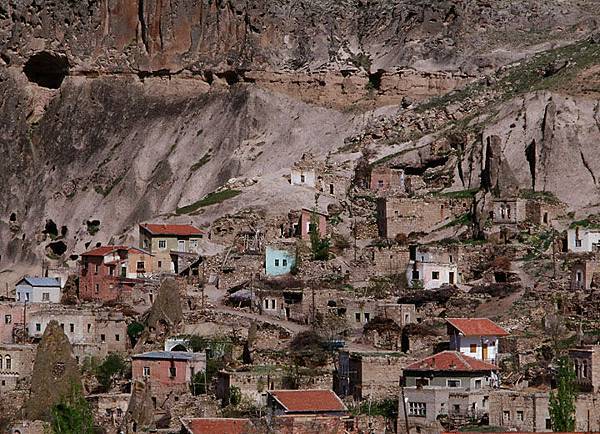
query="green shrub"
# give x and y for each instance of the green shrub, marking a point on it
(210, 199)
(72, 414)
(134, 330)
(112, 367)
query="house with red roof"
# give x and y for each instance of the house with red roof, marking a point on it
(108, 271)
(475, 337)
(167, 242)
(215, 425)
(303, 402)
(447, 384)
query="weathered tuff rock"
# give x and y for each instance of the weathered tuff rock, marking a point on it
(229, 35)
(55, 373)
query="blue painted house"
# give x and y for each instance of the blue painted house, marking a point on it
(278, 261)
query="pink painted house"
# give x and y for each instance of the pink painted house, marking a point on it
(167, 371)
(11, 320)
(306, 220)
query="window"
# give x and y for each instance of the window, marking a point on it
(162, 244)
(277, 262)
(380, 183)
(506, 415)
(284, 262)
(473, 348)
(111, 271)
(0, 362)
(173, 372)
(89, 328)
(103, 338)
(146, 371)
(97, 288)
(477, 384)
(453, 383)
(141, 265)
(420, 382)
(45, 296)
(266, 304)
(451, 259)
(548, 423)
(520, 415)
(302, 178)
(18, 296)
(435, 275)
(117, 338)
(7, 363)
(577, 243)
(159, 264)
(26, 296)
(62, 326)
(96, 268)
(456, 408)
(72, 328)
(417, 409)
(367, 316)
(7, 319)
(357, 316)
(273, 304)
(38, 327)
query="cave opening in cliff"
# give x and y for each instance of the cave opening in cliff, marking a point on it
(47, 69)
(58, 248)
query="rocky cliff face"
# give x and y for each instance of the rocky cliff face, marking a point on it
(155, 35)
(113, 112)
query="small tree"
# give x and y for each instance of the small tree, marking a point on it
(562, 402)
(112, 367)
(134, 330)
(318, 245)
(72, 414)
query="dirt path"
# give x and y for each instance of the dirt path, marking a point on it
(498, 307)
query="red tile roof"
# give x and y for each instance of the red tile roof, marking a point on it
(217, 425)
(308, 401)
(182, 230)
(103, 250)
(477, 327)
(450, 361)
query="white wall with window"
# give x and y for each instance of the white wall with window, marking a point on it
(581, 240)
(418, 409)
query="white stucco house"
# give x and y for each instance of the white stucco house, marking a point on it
(432, 268)
(475, 337)
(38, 290)
(580, 240)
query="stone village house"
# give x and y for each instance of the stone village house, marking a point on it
(384, 179)
(369, 374)
(38, 290)
(169, 373)
(475, 337)
(399, 215)
(582, 240)
(91, 332)
(16, 364)
(431, 267)
(445, 384)
(279, 259)
(164, 241)
(585, 274)
(108, 273)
